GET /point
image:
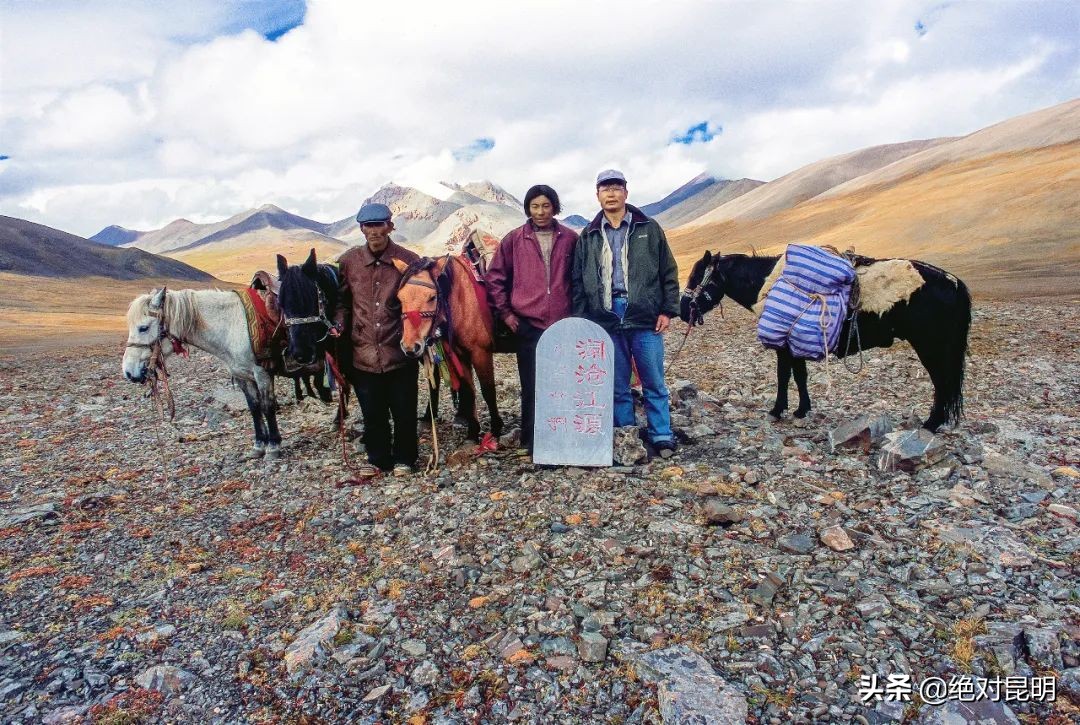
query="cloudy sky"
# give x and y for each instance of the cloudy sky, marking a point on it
(139, 112)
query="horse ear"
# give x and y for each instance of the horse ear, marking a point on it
(400, 265)
(311, 267)
(707, 259)
(282, 266)
(440, 265)
(157, 299)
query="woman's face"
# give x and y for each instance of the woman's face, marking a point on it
(541, 211)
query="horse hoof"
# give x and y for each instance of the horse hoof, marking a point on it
(253, 453)
(776, 415)
(273, 451)
(801, 413)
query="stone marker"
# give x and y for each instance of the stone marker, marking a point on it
(575, 370)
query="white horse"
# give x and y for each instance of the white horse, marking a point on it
(212, 321)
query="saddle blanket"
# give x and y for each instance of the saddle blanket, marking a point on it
(264, 328)
(805, 309)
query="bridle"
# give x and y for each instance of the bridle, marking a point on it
(415, 316)
(696, 316)
(311, 319)
(155, 366)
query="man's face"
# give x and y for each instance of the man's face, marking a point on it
(377, 235)
(612, 197)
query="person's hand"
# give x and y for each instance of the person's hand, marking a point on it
(334, 331)
(511, 322)
(662, 323)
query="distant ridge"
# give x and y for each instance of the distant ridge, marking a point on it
(35, 249)
(705, 200)
(114, 236)
(696, 185)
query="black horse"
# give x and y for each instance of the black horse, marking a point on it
(935, 319)
(309, 297)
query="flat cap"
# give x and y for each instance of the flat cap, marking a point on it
(373, 213)
(610, 175)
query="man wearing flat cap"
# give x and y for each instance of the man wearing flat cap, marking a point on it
(370, 318)
(624, 278)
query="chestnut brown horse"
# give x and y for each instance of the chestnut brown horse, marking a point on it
(440, 299)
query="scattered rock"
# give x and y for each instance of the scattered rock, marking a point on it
(836, 538)
(166, 679)
(688, 688)
(862, 433)
(910, 450)
(628, 448)
(313, 641)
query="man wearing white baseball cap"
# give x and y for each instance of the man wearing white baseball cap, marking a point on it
(625, 279)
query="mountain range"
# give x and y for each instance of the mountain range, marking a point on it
(34, 249)
(999, 207)
(1004, 195)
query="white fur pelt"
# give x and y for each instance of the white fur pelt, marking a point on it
(881, 284)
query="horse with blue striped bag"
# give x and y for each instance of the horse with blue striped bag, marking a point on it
(806, 307)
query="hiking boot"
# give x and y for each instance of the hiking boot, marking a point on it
(402, 469)
(666, 449)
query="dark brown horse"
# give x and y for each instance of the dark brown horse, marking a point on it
(440, 299)
(934, 315)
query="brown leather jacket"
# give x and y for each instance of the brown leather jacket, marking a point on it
(370, 311)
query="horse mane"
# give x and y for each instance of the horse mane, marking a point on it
(414, 268)
(183, 318)
(294, 283)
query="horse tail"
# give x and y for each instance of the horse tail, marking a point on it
(956, 361)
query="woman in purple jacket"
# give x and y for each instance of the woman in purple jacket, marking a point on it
(528, 285)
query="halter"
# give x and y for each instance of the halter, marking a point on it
(321, 317)
(415, 316)
(156, 371)
(696, 317)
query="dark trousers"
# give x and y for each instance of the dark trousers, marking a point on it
(527, 336)
(383, 396)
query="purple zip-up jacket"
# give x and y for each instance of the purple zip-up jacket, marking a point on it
(520, 286)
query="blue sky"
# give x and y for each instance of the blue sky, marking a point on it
(137, 113)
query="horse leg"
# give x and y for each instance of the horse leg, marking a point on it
(467, 398)
(783, 376)
(296, 389)
(935, 359)
(251, 395)
(798, 366)
(485, 371)
(307, 386)
(323, 391)
(268, 402)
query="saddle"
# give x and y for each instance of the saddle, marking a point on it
(264, 323)
(476, 253)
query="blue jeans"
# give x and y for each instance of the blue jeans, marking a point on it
(646, 348)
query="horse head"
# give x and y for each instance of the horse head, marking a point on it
(704, 289)
(306, 298)
(421, 302)
(147, 328)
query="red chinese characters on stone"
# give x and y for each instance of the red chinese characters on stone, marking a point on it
(555, 421)
(587, 423)
(590, 349)
(587, 399)
(592, 375)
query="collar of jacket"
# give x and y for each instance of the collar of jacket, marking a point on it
(637, 216)
(369, 259)
(555, 228)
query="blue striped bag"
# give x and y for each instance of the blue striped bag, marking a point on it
(805, 309)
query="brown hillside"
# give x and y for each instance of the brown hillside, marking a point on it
(44, 313)
(1007, 224)
(236, 261)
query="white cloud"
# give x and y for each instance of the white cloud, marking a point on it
(139, 113)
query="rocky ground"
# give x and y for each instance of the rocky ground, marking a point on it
(757, 574)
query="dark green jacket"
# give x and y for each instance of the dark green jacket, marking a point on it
(652, 278)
